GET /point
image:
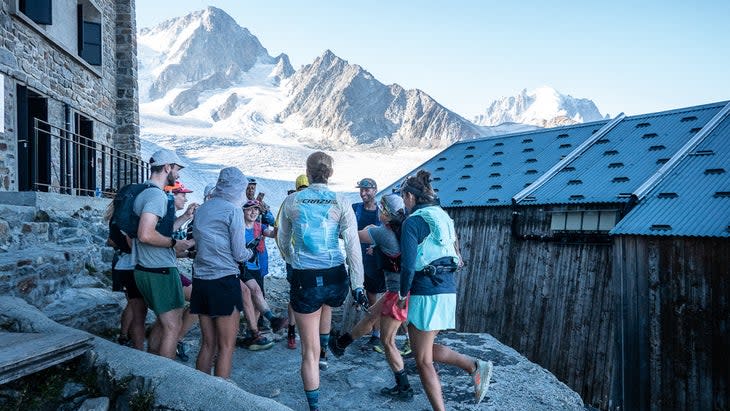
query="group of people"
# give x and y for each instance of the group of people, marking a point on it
(402, 247)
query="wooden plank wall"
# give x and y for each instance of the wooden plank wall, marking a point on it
(675, 322)
(553, 302)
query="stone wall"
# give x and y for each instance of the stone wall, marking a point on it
(105, 94)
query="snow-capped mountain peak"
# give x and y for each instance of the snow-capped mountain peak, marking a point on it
(196, 47)
(543, 107)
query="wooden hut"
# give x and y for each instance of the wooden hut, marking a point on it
(533, 212)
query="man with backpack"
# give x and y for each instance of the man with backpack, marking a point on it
(155, 252)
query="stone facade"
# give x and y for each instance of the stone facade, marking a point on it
(105, 95)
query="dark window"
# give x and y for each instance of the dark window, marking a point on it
(531, 171)
(498, 153)
(642, 125)
(469, 156)
(667, 195)
(610, 153)
(461, 189)
(441, 159)
(715, 171)
(603, 141)
(468, 166)
(615, 165)
(649, 135)
(531, 160)
(37, 10)
(90, 41)
(565, 146)
(470, 148)
(620, 179)
(577, 197)
(436, 179)
(662, 160)
(562, 135)
(495, 187)
(575, 182)
(528, 150)
(456, 202)
(569, 168)
(495, 175)
(527, 140)
(696, 129)
(496, 163)
(465, 177)
(656, 148)
(439, 169)
(689, 118)
(498, 144)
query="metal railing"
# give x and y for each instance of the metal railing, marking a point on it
(65, 162)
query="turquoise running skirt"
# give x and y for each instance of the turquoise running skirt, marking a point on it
(432, 312)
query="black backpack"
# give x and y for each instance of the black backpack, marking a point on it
(124, 221)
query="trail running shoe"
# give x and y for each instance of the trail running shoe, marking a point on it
(277, 323)
(257, 342)
(379, 348)
(181, 353)
(291, 341)
(398, 393)
(323, 360)
(481, 378)
(405, 349)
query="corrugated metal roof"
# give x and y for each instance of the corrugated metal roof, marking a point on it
(693, 199)
(490, 171)
(618, 163)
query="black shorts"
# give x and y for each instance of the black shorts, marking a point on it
(216, 298)
(311, 289)
(247, 275)
(124, 279)
(375, 285)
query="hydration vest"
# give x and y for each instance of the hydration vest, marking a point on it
(440, 241)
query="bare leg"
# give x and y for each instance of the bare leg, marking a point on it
(248, 309)
(389, 328)
(204, 362)
(292, 321)
(257, 296)
(153, 344)
(187, 319)
(309, 328)
(422, 343)
(446, 355)
(170, 323)
(325, 320)
(139, 314)
(367, 323)
(226, 329)
(372, 299)
(126, 320)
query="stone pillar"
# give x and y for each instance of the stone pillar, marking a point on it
(127, 116)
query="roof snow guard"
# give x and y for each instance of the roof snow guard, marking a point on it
(623, 158)
(690, 195)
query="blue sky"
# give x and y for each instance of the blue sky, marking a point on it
(631, 56)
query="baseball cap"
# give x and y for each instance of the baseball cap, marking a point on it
(176, 188)
(252, 181)
(165, 156)
(302, 181)
(367, 183)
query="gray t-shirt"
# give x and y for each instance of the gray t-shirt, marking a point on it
(152, 200)
(384, 238)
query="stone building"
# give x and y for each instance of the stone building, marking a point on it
(69, 122)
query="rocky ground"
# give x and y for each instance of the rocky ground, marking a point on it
(354, 380)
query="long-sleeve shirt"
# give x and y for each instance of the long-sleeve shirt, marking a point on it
(310, 225)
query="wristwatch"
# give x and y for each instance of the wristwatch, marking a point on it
(174, 241)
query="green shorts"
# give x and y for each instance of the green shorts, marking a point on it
(161, 292)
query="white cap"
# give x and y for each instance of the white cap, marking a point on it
(165, 156)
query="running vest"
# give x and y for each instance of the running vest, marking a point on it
(316, 232)
(440, 241)
(166, 223)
